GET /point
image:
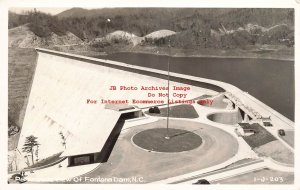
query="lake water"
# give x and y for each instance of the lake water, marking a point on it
(270, 81)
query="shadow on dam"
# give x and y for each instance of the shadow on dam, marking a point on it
(110, 142)
(270, 81)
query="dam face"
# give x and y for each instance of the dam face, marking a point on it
(61, 88)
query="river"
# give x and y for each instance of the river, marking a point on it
(270, 81)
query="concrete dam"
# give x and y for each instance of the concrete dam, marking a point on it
(64, 83)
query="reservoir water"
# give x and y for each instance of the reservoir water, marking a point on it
(270, 81)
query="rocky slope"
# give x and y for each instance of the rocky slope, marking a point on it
(132, 39)
(22, 37)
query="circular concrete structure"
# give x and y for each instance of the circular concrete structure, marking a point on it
(127, 159)
(229, 118)
(155, 140)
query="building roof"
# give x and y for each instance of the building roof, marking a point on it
(249, 127)
(119, 107)
(245, 125)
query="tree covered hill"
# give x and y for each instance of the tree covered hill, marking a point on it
(209, 27)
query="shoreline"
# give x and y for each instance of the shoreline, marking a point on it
(210, 56)
(277, 54)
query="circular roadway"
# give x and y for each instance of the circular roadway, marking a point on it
(129, 161)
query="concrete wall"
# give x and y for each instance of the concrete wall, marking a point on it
(230, 118)
(218, 102)
(60, 89)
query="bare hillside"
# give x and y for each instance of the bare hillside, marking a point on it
(23, 37)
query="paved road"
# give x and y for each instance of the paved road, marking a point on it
(127, 160)
(226, 173)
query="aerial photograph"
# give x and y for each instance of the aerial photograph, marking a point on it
(140, 95)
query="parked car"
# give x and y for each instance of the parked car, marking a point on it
(268, 124)
(281, 132)
(156, 109)
(17, 178)
(201, 181)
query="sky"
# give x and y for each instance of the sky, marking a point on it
(52, 11)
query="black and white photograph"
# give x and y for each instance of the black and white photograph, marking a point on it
(189, 95)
